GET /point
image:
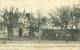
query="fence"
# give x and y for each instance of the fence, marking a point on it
(62, 34)
(47, 34)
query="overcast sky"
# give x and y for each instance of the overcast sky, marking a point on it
(32, 5)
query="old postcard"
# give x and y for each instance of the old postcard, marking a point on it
(39, 24)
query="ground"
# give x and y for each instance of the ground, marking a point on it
(23, 45)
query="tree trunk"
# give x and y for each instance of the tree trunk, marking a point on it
(10, 33)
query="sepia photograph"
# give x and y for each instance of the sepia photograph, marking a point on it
(40, 24)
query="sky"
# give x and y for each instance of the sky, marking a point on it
(33, 5)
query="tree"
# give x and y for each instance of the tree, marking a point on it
(11, 20)
(64, 18)
(76, 16)
(65, 15)
(39, 24)
(55, 20)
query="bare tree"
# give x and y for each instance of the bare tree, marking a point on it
(76, 16)
(11, 20)
(64, 16)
